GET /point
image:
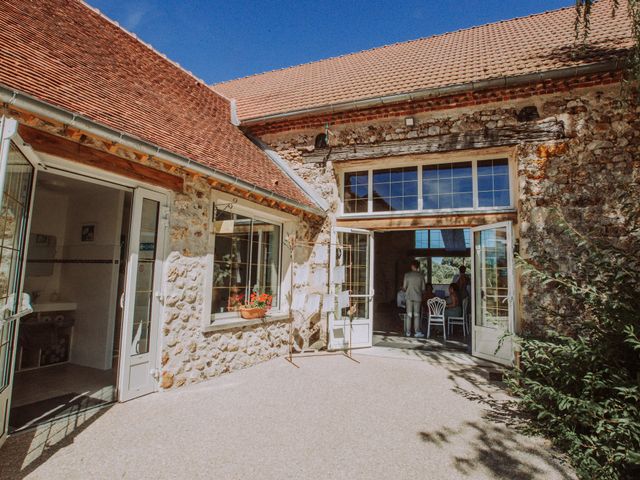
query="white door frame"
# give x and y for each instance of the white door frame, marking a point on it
(68, 168)
(335, 320)
(149, 360)
(486, 340)
(9, 133)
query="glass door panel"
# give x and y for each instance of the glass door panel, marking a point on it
(142, 307)
(17, 176)
(142, 313)
(493, 292)
(351, 325)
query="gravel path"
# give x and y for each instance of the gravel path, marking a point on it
(331, 418)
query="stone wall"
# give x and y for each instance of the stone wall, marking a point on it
(191, 354)
(587, 150)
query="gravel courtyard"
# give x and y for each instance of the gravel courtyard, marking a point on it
(393, 415)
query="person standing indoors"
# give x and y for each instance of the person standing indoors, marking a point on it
(414, 287)
(463, 282)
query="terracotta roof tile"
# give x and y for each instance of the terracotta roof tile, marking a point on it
(520, 46)
(69, 55)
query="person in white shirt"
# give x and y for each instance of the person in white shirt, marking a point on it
(413, 286)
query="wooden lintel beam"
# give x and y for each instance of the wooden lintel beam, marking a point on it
(61, 147)
(438, 221)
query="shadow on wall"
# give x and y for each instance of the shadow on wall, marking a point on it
(23, 453)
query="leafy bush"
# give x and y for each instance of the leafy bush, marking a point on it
(583, 391)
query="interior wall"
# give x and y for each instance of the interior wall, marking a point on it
(48, 218)
(90, 276)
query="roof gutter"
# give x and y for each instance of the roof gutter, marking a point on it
(501, 82)
(26, 102)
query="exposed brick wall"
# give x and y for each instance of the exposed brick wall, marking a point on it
(468, 99)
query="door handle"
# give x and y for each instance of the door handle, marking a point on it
(160, 297)
(122, 300)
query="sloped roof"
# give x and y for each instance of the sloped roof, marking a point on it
(525, 45)
(67, 54)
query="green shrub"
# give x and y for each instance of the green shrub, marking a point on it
(583, 391)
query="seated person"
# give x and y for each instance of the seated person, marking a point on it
(428, 293)
(454, 307)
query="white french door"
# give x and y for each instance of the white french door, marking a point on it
(351, 323)
(493, 289)
(17, 178)
(143, 295)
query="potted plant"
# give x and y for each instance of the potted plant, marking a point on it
(257, 306)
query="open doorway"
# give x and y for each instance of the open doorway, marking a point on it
(67, 350)
(440, 253)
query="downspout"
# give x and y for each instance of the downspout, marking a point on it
(501, 82)
(26, 102)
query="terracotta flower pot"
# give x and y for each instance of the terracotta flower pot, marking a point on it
(256, 312)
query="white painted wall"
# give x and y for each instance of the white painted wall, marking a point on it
(93, 286)
(49, 218)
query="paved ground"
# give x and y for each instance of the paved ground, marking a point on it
(393, 415)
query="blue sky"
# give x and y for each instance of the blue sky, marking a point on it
(223, 39)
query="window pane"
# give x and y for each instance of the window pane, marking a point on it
(395, 189)
(485, 184)
(430, 186)
(356, 192)
(445, 186)
(448, 185)
(501, 167)
(381, 190)
(501, 182)
(462, 185)
(411, 187)
(493, 183)
(246, 257)
(501, 198)
(463, 200)
(485, 199)
(446, 201)
(381, 176)
(430, 202)
(411, 203)
(461, 169)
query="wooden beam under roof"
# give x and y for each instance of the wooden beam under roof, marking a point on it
(67, 149)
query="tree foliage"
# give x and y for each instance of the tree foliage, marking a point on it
(582, 28)
(584, 391)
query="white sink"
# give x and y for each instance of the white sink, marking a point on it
(54, 307)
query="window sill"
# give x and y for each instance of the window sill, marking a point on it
(238, 322)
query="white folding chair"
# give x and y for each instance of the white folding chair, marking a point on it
(462, 321)
(436, 308)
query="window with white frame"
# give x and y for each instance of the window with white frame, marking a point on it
(395, 189)
(493, 183)
(457, 185)
(447, 185)
(356, 192)
(246, 259)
